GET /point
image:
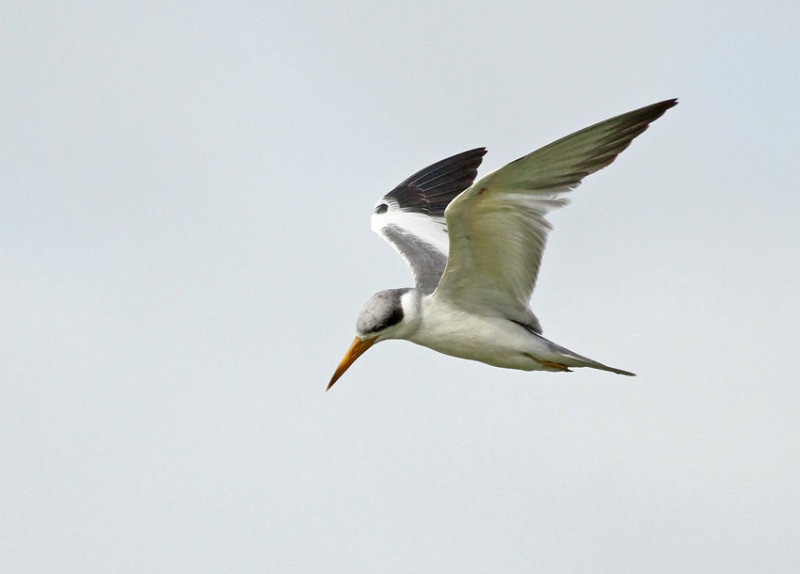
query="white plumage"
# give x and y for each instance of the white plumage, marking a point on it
(475, 250)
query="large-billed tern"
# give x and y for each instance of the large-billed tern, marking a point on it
(475, 249)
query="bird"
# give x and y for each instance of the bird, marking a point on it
(475, 250)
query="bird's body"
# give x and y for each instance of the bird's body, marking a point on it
(492, 340)
(475, 250)
(438, 324)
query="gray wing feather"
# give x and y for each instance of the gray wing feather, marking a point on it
(428, 264)
(498, 228)
(411, 216)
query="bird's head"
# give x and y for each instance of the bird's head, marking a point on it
(385, 315)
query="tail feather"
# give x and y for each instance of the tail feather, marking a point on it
(572, 359)
(602, 367)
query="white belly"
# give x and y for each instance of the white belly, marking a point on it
(498, 342)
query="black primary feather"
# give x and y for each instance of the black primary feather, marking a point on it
(430, 190)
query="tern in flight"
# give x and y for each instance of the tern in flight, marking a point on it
(475, 249)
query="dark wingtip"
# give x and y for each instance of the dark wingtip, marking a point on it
(655, 111)
(431, 189)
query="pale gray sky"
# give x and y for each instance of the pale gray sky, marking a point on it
(186, 192)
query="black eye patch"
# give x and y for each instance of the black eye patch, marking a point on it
(393, 319)
(382, 208)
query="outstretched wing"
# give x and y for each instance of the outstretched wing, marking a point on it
(498, 229)
(411, 216)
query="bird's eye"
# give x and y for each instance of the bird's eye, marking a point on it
(392, 319)
(382, 208)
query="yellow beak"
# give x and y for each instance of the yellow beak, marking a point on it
(357, 349)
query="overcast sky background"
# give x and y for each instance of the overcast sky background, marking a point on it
(185, 246)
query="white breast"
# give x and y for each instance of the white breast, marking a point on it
(493, 340)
